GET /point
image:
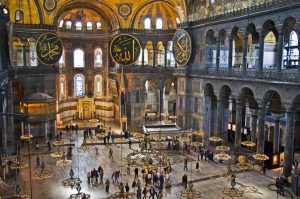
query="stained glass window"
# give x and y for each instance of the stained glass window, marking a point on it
(98, 58)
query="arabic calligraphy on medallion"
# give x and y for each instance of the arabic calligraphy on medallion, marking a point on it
(125, 49)
(49, 48)
(182, 47)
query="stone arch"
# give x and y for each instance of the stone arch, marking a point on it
(106, 12)
(144, 5)
(273, 101)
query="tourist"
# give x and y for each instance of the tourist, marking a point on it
(111, 154)
(136, 172)
(139, 193)
(184, 180)
(127, 188)
(128, 170)
(201, 154)
(38, 161)
(107, 183)
(197, 167)
(145, 193)
(89, 177)
(185, 164)
(152, 192)
(36, 145)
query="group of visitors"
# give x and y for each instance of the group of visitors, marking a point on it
(95, 176)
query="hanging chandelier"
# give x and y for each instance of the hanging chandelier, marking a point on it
(248, 143)
(43, 174)
(64, 162)
(190, 193)
(71, 181)
(215, 139)
(79, 194)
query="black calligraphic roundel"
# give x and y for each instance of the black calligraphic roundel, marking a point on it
(182, 47)
(125, 49)
(49, 48)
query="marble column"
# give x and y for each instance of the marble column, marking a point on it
(166, 56)
(143, 57)
(218, 54)
(22, 128)
(245, 52)
(28, 128)
(230, 43)
(239, 123)
(261, 130)
(253, 125)
(46, 131)
(261, 52)
(289, 143)
(220, 104)
(154, 57)
(276, 136)
(161, 103)
(24, 54)
(279, 50)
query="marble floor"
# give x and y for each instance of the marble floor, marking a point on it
(208, 181)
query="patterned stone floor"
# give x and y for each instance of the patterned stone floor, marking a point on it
(208, 181)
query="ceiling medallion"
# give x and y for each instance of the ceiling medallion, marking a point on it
(50, 5)
(124, 9)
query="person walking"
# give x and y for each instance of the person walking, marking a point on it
(185, 164)
(37, 145)
(145, 193)
(89, 177)
(152, 192)
(127, 188)
(107, 183)
(38, 163)
(136, 172)
(139, 193)
(111, 154)
(197, 167)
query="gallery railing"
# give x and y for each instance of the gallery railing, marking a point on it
(290, 75)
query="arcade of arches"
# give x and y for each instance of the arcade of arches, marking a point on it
(242, 83)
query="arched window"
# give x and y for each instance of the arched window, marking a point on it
(62, 90)
(89, 26)
(78, 25)
(78, 58)
(32, 52)
(291, 52)
(79, 85)
(147, 23)
(177, 20)
(159, 23)
(98, 25)
(19, 16)
(68, 25)
(98, 86)
(146, 62)
(98, 57)
(61, 23)
(61, 61)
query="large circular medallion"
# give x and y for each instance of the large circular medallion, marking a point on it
(125, 49)
(49, 5)
(182, 47)
(124, 10)
(49, 48)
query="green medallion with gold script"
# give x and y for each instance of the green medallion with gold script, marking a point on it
(182, 47)
(49, 48)
(125, 49)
